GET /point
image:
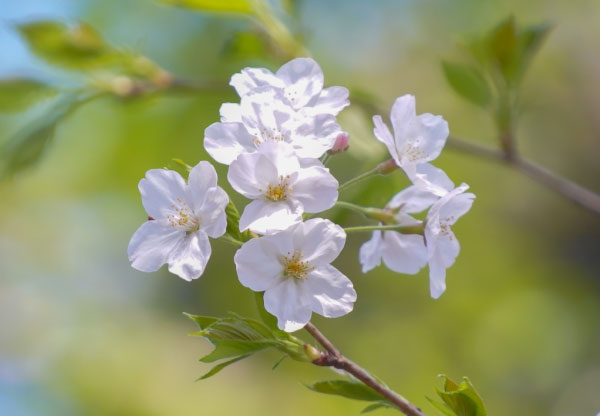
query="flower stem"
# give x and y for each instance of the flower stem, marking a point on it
(359, 178)
(404, 229)
(334, 358)
(231, 240)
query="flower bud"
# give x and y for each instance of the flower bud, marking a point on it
(341, 144)
(311, 352)
(387, 167)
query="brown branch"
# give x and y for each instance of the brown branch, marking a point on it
(570, 190)
(334, 358)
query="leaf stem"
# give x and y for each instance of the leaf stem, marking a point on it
(334, 358)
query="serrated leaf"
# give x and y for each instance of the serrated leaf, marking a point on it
(372, 407)
(219, 6)
(462, 399)
(217, 368)
(74, 47)
(346, 388)
(468, 82)
(18, 94)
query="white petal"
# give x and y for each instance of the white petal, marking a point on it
(251, 78)
(432, 179)
(383, 134)
(202, 177)
(319, 240)
(303, 80)
(289, 303)
(225, 141)
(404, 120)
(316, 189)
(211, 213)
(230, 113)
(188, 259)
(266, 217)
(265, 115)
(151, 245)
(331, 100)
(251, 173)
(457, 207)
(313, 136)
(370, 252)
(257, 264)
(404, 253)
(412, 200)
(437, 278)
(434, 131)
(331, 293)
(160, 189)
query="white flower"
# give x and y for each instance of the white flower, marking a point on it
(292, 268)
(282, 188)
(183, 216)
(299, 82)
(402, 253)
(442, 245)
(263, 117)
(417, 139)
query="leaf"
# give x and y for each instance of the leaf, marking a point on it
(460, 399)
(468, 82)
(350, 389)
(27, 146)
(217, 368)
(179, 166)
(529, 41)
(20, 93)
(375, 406)
(74, 47)
(278, 363)
(502, 47)
(233, 221)
(219, 6)
(266, 317)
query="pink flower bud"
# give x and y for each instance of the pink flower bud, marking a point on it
(341, 143)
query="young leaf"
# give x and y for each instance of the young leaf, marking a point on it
(502, 47)
(233, 221)
(529, 41)
(346, 388)
(266, 317)
(468, 82)
(20, 93)
(217, 368)
(375, 406)
(219, 6)
(460, 399)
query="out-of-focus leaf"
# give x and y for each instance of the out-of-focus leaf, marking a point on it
(468, 82)
(27, 146)
(220, 6)
(372, 407)
(247, 46)
(20, 93)
(346, 388)
(502, 46)
(459, 399)
(75, 47)
(217, 368)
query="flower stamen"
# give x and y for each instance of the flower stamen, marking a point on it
(295, 267)
(279, 192)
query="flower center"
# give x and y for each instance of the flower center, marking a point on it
(412, 152)
(279, 192)
(183, 217)
(269, 134)
(295, 267)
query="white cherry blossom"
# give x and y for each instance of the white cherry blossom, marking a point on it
(282, 188)
(442, 245)
(263, 116)
(182, 217)
(417, 140)
(299, 82)
(293, 268)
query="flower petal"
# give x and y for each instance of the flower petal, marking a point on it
(160, 189)
(331, 293)
(316, 189)
(331, 100)
(432, 179)
(230, 113)
(251, 78)
(303, 80)
(188, 259)
(225, 141)
(404, 253)
(151, 245)
(266, 217)
(434, 131)
(412, 200)
(257, 264)
(213, 220)
(251, 173)
(383, 134)
(313, 136)
(288, 302)
(437, 277)
(202, 177)
(370, 252)
(403, 117)
(319, 240)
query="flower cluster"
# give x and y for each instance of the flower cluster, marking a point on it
(274, 142)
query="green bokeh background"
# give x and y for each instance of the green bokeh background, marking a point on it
(81, 333)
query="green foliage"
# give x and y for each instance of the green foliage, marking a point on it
(219, 6)
(233, 221)
(266, 317)
(459, 399)
(468, 82)
(354, 390)
(20, 93)
(237, 338)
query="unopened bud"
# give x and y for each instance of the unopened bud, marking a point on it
(342, 142)
(123, 85)
(387, 167)
(311, 352)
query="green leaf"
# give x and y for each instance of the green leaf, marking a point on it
(179, 166)
(460, 399)
(468, 82)
(233, 221)
(219, 6)
(529, 41)
(375, 406)
(74, 47)
(346, 388)
(217, 368)
(27, 146)
(266, 317)
(20, 93)
(502, 46)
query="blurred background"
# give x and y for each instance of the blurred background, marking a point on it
(82, 333)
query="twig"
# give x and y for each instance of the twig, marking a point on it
(334, 358)
(570, 190)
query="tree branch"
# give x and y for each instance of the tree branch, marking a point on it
(334, 358)
(570, 190)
